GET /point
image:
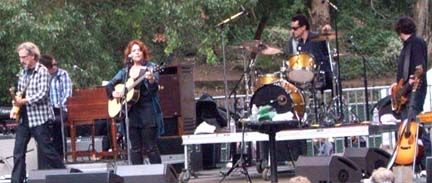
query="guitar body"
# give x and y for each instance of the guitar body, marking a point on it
(132, 96)
(408, 144)
(398, 96)
(15, 111)
(406, 147)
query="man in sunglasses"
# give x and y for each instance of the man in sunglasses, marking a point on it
(301, 42)
(60, 90)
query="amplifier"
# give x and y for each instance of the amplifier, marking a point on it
(85, 144)
(4, 112)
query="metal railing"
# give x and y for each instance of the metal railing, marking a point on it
(353, 98)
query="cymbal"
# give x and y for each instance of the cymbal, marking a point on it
(257, 46)
(324, 36)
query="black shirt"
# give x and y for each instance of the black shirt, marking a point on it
(416, 47)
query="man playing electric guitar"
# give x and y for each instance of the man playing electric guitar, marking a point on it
(412, 55)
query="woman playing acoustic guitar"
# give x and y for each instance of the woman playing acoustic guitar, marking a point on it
(145, 115)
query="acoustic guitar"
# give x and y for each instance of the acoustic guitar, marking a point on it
(407, 148)
(132, 95)
(15, 112)
(399, 92)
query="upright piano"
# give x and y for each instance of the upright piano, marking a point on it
(84, 108)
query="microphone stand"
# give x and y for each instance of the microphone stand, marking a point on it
(62, 126)
(365, 82)
(221, 26)
(124, 98)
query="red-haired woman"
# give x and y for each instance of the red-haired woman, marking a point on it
(145, 116)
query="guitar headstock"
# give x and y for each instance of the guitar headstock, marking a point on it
(159, 68)
(12, 91)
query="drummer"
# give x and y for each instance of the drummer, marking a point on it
(301, 41)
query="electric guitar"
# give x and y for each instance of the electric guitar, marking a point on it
(131, 95)
(15, 112)
(407, 148)
(399, 92)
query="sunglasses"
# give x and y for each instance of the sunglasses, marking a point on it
(295, 28)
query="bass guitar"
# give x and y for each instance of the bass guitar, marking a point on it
(15, 111)
(131, 95)
(399, 92)
(407, 148)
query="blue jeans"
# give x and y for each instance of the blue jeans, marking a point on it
(41, 135)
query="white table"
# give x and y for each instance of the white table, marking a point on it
(292, 134)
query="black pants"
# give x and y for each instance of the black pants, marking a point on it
(41, 135)
(144, 142)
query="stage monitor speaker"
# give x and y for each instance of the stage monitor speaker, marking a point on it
(367, 159)
(39, 176)
(328, 169)
(155, 173)
(429, 169)
(101, 177)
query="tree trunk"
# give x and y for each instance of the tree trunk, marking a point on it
(421, 18)
(319, 14)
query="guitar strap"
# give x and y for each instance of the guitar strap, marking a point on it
(28, 79)
(407, 62)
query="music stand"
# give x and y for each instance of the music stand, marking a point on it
(240, 162)
(271, 128)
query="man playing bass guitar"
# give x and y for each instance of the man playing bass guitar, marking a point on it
(413, 55)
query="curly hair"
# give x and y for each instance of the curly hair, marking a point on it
(405, 25)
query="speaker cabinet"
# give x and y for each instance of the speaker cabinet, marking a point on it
(367, 159)
(154, 173)
(39, 176)
(328, 169)
(177, 99)
(100, 177)
(429, 169)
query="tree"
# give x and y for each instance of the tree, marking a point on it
(421, 17)
(319, 13)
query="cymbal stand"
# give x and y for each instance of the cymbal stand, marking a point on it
(336, 70)
(240, 162)
(248, 79)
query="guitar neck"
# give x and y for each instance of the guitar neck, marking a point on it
(137, 81)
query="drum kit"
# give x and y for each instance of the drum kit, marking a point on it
(293, 87)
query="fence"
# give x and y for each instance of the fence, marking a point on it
(353, 99)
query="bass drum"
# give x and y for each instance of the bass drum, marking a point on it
(281, 95)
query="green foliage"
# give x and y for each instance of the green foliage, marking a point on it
(92, 34)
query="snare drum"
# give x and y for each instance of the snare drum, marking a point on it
(283, 96)
(264, 79)
(301, 67)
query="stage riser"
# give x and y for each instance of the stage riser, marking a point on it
(7, 146)
(104, 177)
(156, 173)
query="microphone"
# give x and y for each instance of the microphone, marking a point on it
(75, 67)
(331, 4)
(350, 41)
(129, 59)
(242, 12)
